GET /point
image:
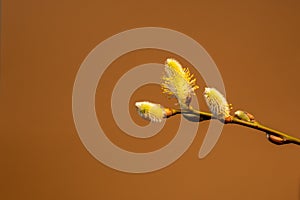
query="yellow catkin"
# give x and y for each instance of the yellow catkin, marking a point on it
(217, 103)
(150, 111)
(178, 82)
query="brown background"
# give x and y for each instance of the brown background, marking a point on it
(255, 44)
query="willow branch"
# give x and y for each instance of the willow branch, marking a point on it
(277, 137)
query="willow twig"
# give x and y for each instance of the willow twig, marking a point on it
(178, 82)
(278, 136)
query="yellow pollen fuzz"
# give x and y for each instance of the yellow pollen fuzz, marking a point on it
(178, 82)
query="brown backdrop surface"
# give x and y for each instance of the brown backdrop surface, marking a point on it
(255, 44)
